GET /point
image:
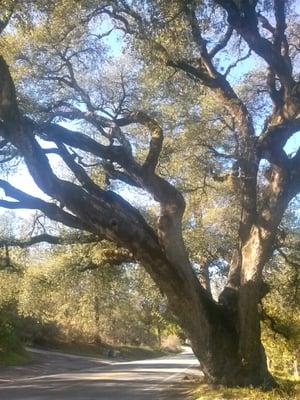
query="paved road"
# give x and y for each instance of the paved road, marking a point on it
(147, 379)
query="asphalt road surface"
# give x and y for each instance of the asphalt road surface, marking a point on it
(77, 379)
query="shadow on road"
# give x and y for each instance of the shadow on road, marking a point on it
(149, 379)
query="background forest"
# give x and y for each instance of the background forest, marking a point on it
(82, 297)
(80, 294)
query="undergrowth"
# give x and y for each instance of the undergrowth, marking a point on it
(289, 389)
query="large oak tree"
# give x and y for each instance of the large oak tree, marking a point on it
(52, 71)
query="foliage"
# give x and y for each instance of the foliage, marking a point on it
(281, 317)
(171, 343)
(11, 348)
(72, 296)
(288, 389)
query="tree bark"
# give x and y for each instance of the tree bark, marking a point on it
(255, 253)
(295, 368)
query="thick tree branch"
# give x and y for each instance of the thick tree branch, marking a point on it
(198, 39)
(280, 40)
(79, 171)
(243, 18)
(265, 23)
(78, 140)
(52, 211)
(210, 77)
(160, 189)
(192, 72)
(275, 137)
(51, 239)
(115, 174)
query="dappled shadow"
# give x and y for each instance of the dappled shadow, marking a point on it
(151, 379)
(50, 364)
(91, 390)
(44, 364)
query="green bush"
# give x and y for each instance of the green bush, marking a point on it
(9, 339)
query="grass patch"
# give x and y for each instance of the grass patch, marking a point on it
(9, 358)
(140, 353)
(289, 389)
(128, 353)
(80, 349)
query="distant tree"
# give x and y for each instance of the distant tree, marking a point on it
(281, 321)
(61, 71)
(79, 291)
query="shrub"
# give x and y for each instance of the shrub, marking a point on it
(171, 343)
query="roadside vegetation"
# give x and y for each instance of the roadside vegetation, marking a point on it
(289, 389)
(73, 299)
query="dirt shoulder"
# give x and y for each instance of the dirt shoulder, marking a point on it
(184, 388)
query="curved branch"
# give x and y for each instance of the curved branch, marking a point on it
(115, 174)
(276, 136)
(280, 40)
(222, 44)
(156, 142)
(265, 23)
(243, 18)
(51, 239)
(9, 111)
(78, 171)
(54, 132)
